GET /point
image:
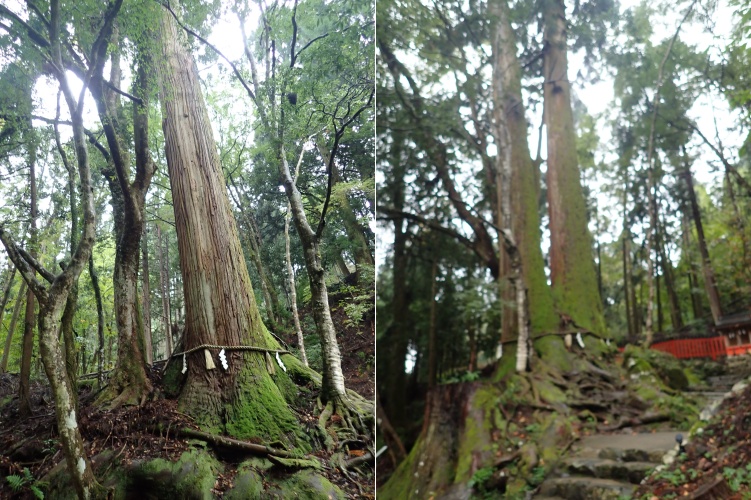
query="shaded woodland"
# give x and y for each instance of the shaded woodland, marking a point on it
(527, 236)
(185, 208)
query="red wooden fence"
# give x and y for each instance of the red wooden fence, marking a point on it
(713, 347)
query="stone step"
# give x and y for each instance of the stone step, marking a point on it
(722, 381)
(585, 488)
(631, 472)
(640, 447)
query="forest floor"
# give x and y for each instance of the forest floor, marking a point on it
(133, 433)
(717, 461)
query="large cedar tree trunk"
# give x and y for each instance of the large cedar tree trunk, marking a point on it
(219, 303)
(571, 265)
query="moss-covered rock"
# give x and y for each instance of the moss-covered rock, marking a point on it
(248, 485)
(191, 477)
(305, 485)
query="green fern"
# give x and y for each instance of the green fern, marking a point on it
(16, 482)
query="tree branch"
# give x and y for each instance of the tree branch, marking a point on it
(330, 164)
(22, 265)
(217, 51)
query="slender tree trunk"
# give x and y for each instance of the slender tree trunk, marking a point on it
(432, 347)
(219, 302)
(472, 334)
(393, 384)
(6, 293)
(71, 303)
(12, 327)
(100, 320)
(693, 282)
(253, 248)
(710, 283)
(627, 285)
(291, 273)
(393, 441)
(658, 293)
(341, 264)
(667, 268)
(741, 228)
(146, 294)
(571, 265)
(24, 385)
(164, 289)
(333, 389)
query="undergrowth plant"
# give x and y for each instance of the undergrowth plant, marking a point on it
(18, 483)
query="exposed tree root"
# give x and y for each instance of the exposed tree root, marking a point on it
(227, 442)
(648, 418)
(351, 416)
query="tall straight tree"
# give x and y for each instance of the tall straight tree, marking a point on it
(219, 302)
(572, 268)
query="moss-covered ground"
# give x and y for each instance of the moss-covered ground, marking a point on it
(141, 451)
(511, 429)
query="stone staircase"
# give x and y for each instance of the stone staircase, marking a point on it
(607, 466)
(610, 466)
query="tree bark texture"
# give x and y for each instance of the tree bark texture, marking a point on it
(571, 265)
(219, 302)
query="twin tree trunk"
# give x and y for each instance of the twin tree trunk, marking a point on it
(525, 188)
(219, 303)
(571, 266)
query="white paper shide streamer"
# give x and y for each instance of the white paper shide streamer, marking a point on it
(579, 340)
(223, 359)
(185, 363)
(279, 360)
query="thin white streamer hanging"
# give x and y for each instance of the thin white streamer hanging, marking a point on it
(185, 364)
(279, 360)
(223, 359)
(579, 340)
